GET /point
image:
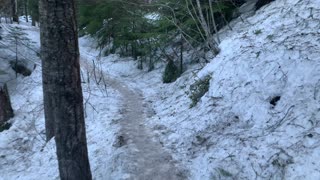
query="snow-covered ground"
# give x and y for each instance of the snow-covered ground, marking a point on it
(234, 132)
(24, 154)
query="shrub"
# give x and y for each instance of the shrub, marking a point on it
(257, 32)
(198, 89)
(5, 126)
(171, 72)
(20, 68)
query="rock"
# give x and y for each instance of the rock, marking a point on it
(247, 7)
(252, 5)
(20, 68)
(120, 141)
(261, 3)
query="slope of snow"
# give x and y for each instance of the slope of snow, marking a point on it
(235, 131)
(24, 154)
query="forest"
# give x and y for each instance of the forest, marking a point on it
(159, 89)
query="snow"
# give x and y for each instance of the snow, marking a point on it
(24, 154)
(243, 134)
(232, 133)
(152, 17)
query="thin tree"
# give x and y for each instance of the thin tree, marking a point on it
(25, 3)
(63, 100)
(33, 10)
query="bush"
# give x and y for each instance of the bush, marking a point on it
(5, 126)
(20, 68)
(198, 89)
(171, 72)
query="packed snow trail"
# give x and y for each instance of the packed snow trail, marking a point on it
(144, 158)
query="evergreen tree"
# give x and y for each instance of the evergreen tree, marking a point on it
(176, 25)
(171, 72)
(19, 39)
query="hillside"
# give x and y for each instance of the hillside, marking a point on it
(259, 118)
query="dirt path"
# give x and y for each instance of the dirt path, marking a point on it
(144, 158)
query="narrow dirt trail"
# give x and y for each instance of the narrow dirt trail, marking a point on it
(147, 160)
(144, 158)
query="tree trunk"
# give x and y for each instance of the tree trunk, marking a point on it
(181, 54)
(26, 10)
(6, 111)
(214, 21)
(33, 22)
(63, 100)
(206, 30)
(14, 11)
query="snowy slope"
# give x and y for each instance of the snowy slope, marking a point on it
(232, 133)
(235, 132)
(25, 155)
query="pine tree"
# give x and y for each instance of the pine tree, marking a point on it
(18, 38)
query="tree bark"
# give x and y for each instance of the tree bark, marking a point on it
(63, 100)
(6, 111)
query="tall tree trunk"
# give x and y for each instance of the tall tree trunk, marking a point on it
(63, 100)
(26, 10)
(33, 22)
(14, 11)
(181, 54)
(6, 111)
